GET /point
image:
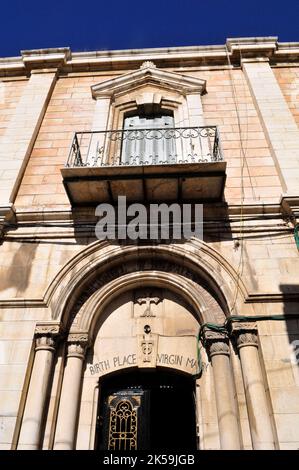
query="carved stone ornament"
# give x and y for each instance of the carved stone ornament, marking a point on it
(47, 329)
(245, 334)
(45, 342)
(46, 335)
(144, 265)
(148, 64)
(147, 350)
(216, 343)
(147, 298)
(77, 344)
(247, 339)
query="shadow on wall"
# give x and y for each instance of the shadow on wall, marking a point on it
(18, 273)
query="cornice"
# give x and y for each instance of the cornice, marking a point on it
(46, 57)
(148, 73)
(54, 214)
(252, 47)
(63, 223)
(35, 59)
(234, 49)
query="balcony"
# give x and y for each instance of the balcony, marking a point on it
(153, 165)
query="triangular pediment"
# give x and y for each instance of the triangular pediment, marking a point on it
(148, 74)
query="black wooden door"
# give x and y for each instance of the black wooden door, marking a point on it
(153, 411)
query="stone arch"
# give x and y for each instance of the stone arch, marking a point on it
(78, 295)
(102, 262)
(204, 305)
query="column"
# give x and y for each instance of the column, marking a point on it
(278, 122)
(195, 110)
(30, 433)
(256, 399)
(217, 345)
(199, 421)
(19, 137)
(199, 147)
(97, 151)
(66, 426)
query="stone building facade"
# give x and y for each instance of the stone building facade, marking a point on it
(96, 333)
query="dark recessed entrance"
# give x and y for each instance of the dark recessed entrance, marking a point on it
(147, 411)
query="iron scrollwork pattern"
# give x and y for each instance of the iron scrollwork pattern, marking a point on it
(123, 423)
(145, 147)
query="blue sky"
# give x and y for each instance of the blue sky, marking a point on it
(113, 24)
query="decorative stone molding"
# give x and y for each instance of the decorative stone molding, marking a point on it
(251, 60)
(44, 342)
(252, 47)
(148, 64)
(290, 208)
(147, 350)
(49, 328)
(174, 56)
(216, 343)
(77, 344)
(145, 266)
(7, 217)
(189, 292)
(45, 58)
(245, 334)
(46, 335)
(147, 298)
(147, 74)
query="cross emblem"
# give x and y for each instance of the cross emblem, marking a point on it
(148, 300)
(147, 349)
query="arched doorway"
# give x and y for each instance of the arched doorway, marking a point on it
(144, 359)
(147, 410)
(143, 315)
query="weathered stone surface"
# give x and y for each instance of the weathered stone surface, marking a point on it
(117, 307)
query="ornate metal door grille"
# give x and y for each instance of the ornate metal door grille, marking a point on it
(123, 423)
(146, 411)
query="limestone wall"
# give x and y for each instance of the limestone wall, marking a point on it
(249, 247)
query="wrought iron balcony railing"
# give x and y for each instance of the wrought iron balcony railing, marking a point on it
(145, 147)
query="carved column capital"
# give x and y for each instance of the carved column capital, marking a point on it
(216, 343)
(245, 334)
(77, 344)
(46, 335)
